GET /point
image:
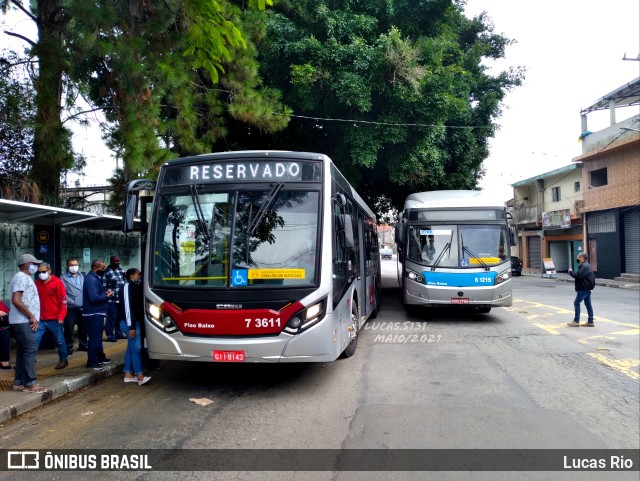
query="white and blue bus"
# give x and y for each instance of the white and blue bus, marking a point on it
(454, 250)
(255, 256)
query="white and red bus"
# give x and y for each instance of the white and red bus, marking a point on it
(255, 256)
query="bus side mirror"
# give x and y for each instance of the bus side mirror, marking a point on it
(345, 231)
(399, 228)
(513, 236)
(129, 214)
(131, 201)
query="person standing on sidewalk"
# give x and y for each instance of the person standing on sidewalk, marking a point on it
(73, 282)
(132, 305)
(53, 309)
(5, 337)
(113, 280)
(585, 281)
(94, 311)
(24, 313)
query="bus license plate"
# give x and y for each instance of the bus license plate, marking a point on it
(228, 356)
(459, 300)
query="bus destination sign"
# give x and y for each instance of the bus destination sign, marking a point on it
(243, 171)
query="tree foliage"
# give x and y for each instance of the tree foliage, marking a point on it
(397, 92)
(166, 73)
(17, 111)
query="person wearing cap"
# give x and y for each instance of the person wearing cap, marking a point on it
(113, 280)
(53, 309)
(23, 316)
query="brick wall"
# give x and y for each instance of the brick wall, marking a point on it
(623, 179)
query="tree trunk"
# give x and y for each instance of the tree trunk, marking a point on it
(52, 148)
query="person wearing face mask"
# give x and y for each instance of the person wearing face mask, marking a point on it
(23, 316)
(132, 315)
(53, 309)
(94, 312)
(73, 282)
(585, 281)
(113, 279)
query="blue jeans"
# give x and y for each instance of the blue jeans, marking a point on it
(58, 332)
(586, 297)
(95, 353)
(25, 355)
(133, 355)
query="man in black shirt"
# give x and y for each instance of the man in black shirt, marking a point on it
(585, 282)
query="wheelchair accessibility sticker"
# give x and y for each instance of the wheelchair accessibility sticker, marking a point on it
(239, 277)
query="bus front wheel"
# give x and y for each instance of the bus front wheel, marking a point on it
(350, 350)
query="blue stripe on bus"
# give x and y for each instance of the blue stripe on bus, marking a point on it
(454, 279)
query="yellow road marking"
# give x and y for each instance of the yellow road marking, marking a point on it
(628, 332)
(570, 311)
(551, 329)
(623, 365)
(587, 340)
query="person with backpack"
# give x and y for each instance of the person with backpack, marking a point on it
(585, 281)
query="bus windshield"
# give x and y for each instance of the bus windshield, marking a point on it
(458, 246)
(236, 239)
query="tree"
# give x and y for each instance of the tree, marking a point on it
(168, 75)
(154, 67)
(17, 110)
(394, 92)
(52, 150)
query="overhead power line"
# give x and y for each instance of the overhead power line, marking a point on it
(389, 124)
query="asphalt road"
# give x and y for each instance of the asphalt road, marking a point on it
(514, 378)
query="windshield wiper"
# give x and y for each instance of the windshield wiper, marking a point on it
(253, 224)
(202, 223)
(446, 248)
(473, 254)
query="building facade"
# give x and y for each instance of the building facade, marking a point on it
(546, 211)
(611, 173)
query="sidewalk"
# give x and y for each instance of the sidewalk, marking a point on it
(563, 277)
(58, 382)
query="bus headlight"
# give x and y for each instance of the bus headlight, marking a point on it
(306, 318)
(160, 319)
(414, 276)
(500, 278)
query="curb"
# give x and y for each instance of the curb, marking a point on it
(25, 402)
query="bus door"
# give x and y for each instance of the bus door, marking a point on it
(362, 281)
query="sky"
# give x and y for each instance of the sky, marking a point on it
(572, 51)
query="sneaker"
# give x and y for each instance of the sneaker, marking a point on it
(588, 324)
(18, 387)
(97, 367)
(36, 388)
(573, 324)
(144, 380)
(130, 379)
(62, 364)
(105, 361)
(112, 340)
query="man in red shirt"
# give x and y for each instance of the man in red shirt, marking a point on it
(53, 309)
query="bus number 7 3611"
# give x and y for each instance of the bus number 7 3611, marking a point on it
(258, 323)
